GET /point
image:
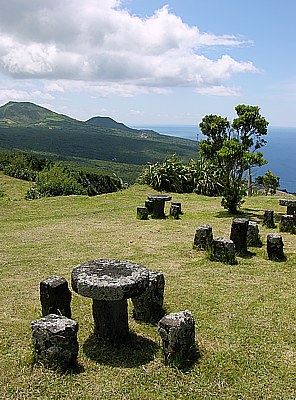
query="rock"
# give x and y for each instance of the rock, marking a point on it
(55, 340)
(177, 332)
(55, 296)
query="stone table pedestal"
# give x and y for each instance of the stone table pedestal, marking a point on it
(110, 283)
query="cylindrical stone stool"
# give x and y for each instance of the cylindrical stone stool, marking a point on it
(268, 219)
(175, 203)
(142, 213)
(275, 247)
(238, 235)
(175, 211)
(203, 237)
(177, 332)
(55, 340)
(223, 250)
(148, 305)
(55, 296)
(149, 204)
(253, 236)
(288, 223)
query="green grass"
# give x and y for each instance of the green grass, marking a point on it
(245, 314)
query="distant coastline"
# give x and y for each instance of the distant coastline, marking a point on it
(279, 151)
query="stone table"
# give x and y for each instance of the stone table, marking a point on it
(290, 204)
(110, 283)
(158, 204)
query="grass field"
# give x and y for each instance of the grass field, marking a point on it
(245, 314)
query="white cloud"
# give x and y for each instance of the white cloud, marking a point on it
(97, 44)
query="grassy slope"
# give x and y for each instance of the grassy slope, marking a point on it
(245, 314)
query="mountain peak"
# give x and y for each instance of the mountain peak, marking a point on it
(16, 113)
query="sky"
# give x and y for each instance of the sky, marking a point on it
(150, 62)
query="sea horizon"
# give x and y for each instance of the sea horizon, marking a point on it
(279, 151)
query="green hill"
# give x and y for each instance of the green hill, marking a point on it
(245, 314)
(115, 147)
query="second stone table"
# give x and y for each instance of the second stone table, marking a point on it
(110, 283)
(158, 204)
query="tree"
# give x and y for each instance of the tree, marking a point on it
(270, 182)
(249, 127)
(233, 150)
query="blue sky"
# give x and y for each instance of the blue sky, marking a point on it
(150, 62)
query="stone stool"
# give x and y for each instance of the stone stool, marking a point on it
(148, 305)
(149, 204)
(203, 237)
(175, 203)
(55, 340)
(288, 223)
(177, 334)
(253, 237)
(275, 247)
(142, 213)
(238, 235)
(223, 250)
(175, 211)
(55, 296)
(268, 219)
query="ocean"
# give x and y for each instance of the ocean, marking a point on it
(280, 150)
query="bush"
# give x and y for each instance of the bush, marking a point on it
(22, 166)
(55, 181)
(171, 175)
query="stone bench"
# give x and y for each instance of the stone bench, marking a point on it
(55, 296)
(142, 213)
(288, 223)
(238, 235)
(290, 204)
(223, 250)
(253, 236)
(177, 332)
(148, 305)
(268, 219)
(203, 237)
(275, 247)
(55, 340)
(175, 210)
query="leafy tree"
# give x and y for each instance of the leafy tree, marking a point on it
(250, 127)
(270, 182)
(232, 149)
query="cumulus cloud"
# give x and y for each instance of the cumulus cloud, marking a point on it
(100, 44)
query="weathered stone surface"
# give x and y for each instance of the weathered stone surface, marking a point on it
(288, 223)
(223, 250)
(142, 213)
(203, 237)
(55, 296)
(268, 219)
(275, 247)
(55, 340)
(110, 279)
(238, 235)
(148, 306)
(253, 236)
(177, 332)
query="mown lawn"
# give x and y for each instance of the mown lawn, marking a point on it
(245, 314)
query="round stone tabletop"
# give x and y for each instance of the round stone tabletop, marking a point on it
(110, 279)
(164, 197)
